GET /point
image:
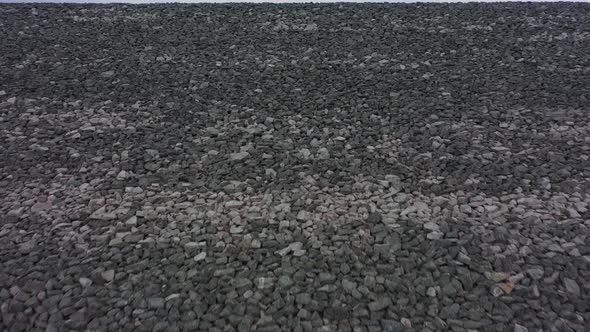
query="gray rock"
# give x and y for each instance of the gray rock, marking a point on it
(325, 277)
(323, 153)
(233, 204)
(434, 235)
(285, 281)
(571, 286)
(201, 256)
(265, 282)
(224, 272)
(236, 229)
(391, 326)
(406, 323)
(241, 282)
(344, 268)
(151, 167)
(348, 285)
(311, 27)
(374, 218)
(107, 74)
(304, 215)
(449, 290)
(39, 207)
(102, 214)
(328, 288)
(283, 224)
(304, 153)
(295, 248)
(27, 247)
(191, 245)
(379, 304)
(239, 156)
(131, 221)
(108, 275)
(536, 273)
(85, 282)
(156, 302)
(497, 291)
(116, 242)
(431, 226)
(133, 237)
(122, 175)
(431, 291)
(303, 298)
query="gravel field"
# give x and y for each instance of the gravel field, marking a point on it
(295, 167)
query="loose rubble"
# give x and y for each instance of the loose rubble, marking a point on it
(345, 167)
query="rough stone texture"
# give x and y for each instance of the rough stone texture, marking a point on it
(302, 167)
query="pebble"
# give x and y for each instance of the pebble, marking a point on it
(233, 204)
(571, 286)
(348, 285)
(132, 221)
(285, 281)
(264, 282)
(102, 214)
(431, 226)
(201, 256)
(323, 153)
(374, 218)
(108, 275)
(107, 74)
(236, 229)
(85, 282)
(239, 156)
(536, 273)
(379, 304)
(156, 302)
(392, 326)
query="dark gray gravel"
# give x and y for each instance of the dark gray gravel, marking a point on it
(295, 168)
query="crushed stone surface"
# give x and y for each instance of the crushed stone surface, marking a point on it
(353, 167)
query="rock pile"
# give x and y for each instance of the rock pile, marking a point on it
(302, 168)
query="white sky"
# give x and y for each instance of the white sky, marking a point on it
(261, 1)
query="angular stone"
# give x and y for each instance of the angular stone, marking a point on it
(107, 74)
(323, 153)
(85, 282)
(497, 276)
(390, 325)
(264, 282)
(379, 304)
(285, 281)
(432, 226)
(224, 272)
(236, 229)
(375, 218)
(233, 204)
(191, 245)
(156, 302)
(116, 242)
(239, 156)
(536, 273)
(108, 275)
(131, 221)
(303, 298)
(571, 286)
(102, 214)
(348, 285)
